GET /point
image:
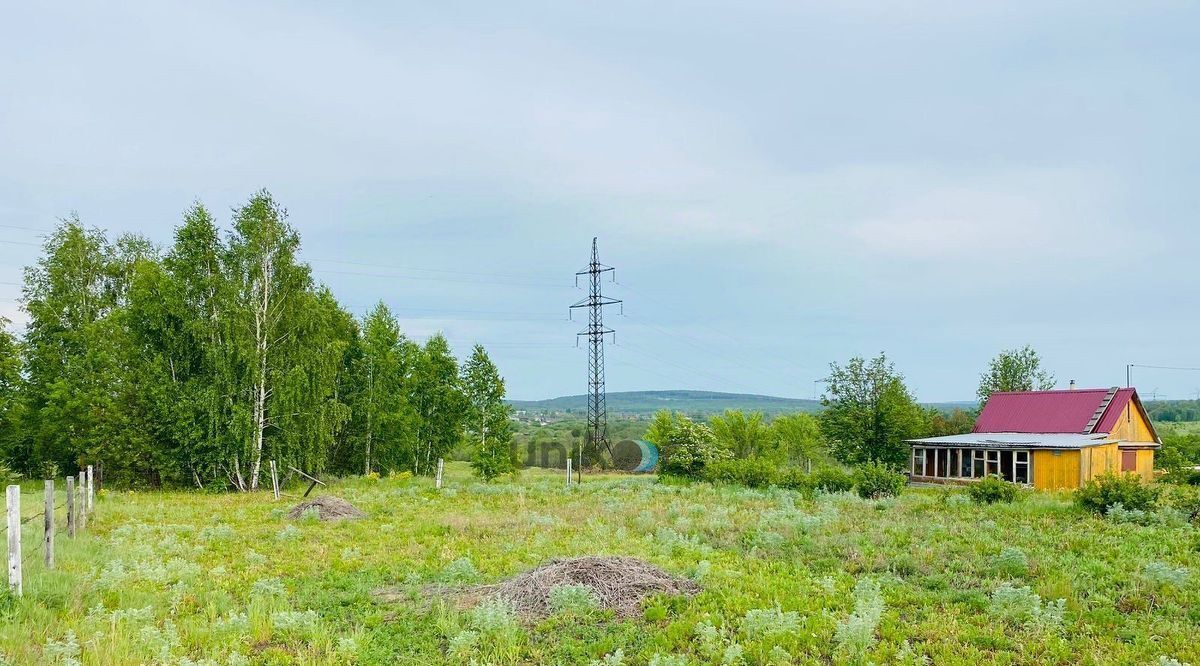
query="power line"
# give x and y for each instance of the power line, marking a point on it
(433, 270)
(1163, 367)
(429, 278)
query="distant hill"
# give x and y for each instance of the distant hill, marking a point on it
(641, 403)
(689, 402)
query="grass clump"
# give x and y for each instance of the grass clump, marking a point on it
(1024, 607)
(1011, 562)
(856, 634)
(1162, 575)
(763, 622)
(573, 599)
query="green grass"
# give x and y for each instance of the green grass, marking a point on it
(181, 578)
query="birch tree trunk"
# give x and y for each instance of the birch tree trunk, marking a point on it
(262, 346)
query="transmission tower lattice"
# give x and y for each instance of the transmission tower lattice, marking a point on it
(595, 332)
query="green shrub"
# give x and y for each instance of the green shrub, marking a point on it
(794, 478)
(1127, 490)
(875, 480)
(831, 480)
(992, 489)
(751, 472)
(1184, 499)
(688, 448)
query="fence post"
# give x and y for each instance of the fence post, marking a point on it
(91, 491)
(441, 466)
(70, 507)
(274, 480)
(13, 505)
(48, 536)
(568, 472)
(81, 505)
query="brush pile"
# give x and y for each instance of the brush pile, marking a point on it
(327, 507)
(619, 584)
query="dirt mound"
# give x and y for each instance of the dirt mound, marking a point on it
(328, 507)
(619, 583)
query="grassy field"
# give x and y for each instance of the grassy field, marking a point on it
(181, 578)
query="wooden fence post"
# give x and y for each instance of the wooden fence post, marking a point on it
(70, 507)
(91, 491)
(568, 472)
(48, 536)
(13, 505)
(81, 505)
(274, 480)
(441, 466)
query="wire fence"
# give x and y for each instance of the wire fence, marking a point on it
(64, 510)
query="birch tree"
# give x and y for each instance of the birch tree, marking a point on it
(67, 294)
(439, 403)
(487, 416)
(268, 289)
(381, 367)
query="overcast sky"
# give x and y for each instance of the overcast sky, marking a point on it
(779, 184)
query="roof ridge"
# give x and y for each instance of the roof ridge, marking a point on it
(1066, 390)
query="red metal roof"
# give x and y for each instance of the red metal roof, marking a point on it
(1067, 411)
(1113, 413)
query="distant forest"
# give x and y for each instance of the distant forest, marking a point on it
(1173, 411)
(197, 364)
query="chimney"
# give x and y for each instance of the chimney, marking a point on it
(1072, 384)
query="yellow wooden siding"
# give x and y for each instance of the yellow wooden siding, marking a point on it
(1131, 427)
(1145, 464)
(1099, 460)
(1053, 470)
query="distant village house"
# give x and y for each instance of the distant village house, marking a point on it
(1047, 439)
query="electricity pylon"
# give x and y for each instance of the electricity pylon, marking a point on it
(597, 409)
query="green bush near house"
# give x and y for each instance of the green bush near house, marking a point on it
(875, 480)
(832, 480)
(991, 490)
(1102, 492)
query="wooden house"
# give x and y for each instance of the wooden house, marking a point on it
(1045, 439)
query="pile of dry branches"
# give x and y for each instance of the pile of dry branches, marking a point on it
(327, 507)
(619, 583)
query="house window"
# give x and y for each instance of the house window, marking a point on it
(1021, 467)
(964, 468)
(943, 462)
(954, 454)
(918, 462)
(930, 461)
(1128, 461)
(993, 463)
(979, 467)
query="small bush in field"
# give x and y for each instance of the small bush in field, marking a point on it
(992, 489)
(1127, 490)
(1012, 562)
(875, 480)
(831, 480)
(1164, 575)
(1021, 605)
(760, 622)
(856, 634)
